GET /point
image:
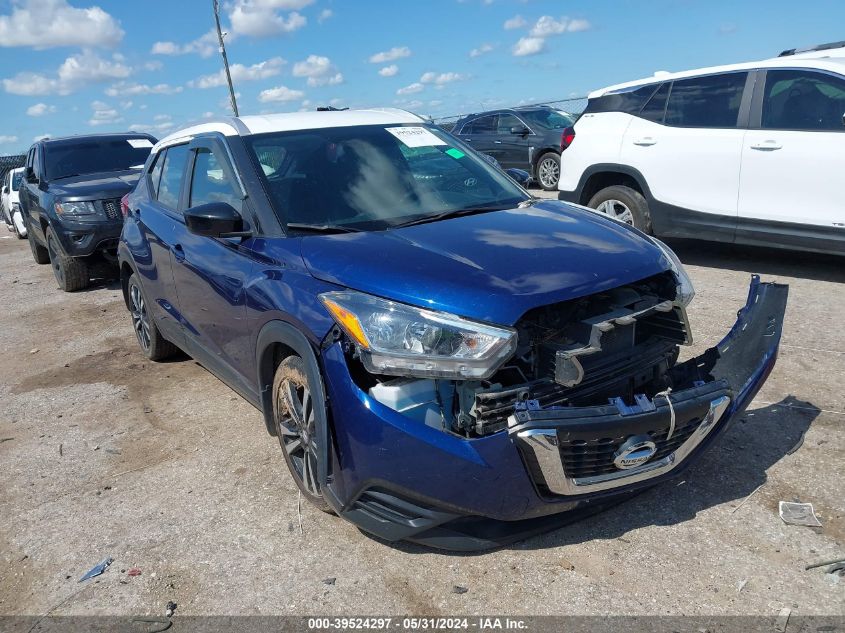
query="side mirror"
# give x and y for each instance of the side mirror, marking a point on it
(521, 177)
(215, 219)
(520, 131)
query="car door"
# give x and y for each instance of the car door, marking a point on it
(513, 148)
(686, 141)
(481, 135)
(793, 158)
(211, 273)
(157, 216)
(5, 200)
(29, 194)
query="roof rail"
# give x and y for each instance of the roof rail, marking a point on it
(810, 49)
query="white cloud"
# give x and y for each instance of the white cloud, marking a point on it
(547, 26)
(204, 46)
(261, 70)
(516, 22)
(529, 46)
(325, 14)
(40, 109)
(40, 137)
(8, 140)
(104, 114)
(49, 23)
(262, 18)
(481, 50)
(280, 94)
(76, 73)
(397, 52)
(441, 78)
(125, 89)
(389, 71)
(409, 90)
(319, 70)
(156, 129)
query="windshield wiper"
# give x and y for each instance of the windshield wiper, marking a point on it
(322, 228)
(454, 213)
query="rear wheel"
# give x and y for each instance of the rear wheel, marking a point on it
(70, 272)
(624, 204)
(39, 253)
(296, 427)
(152, 343)
(548, 171)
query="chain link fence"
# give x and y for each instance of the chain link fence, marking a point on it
(572, 105)
(10, 162)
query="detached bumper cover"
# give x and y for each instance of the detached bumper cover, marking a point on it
(398, 479)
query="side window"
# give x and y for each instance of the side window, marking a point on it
(482, 125)
(656, 106)
(36, 163)
(209, 182)
(708, 102)
(155, 172)
(803, 100)
(506, 122)
(171, 176)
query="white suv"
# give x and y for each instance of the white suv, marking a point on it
(751, 153)
(10, 202)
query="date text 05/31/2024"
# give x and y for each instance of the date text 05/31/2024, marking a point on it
(417, 624)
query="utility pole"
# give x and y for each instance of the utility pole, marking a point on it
(225, 59)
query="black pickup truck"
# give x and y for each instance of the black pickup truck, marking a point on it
(71, 196)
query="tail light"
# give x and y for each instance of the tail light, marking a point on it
(124, 206)
(567, 137)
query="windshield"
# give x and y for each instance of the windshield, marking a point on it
(16, 180)
(374, 177)
(93, 156)
(551, 119)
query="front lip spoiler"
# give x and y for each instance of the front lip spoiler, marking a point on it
(726, 377)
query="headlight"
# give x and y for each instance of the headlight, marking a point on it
(686, 291)
(401, 340)
(77, 210)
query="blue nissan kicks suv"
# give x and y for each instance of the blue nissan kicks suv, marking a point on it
(443, 358)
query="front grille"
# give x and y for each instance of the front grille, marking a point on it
(590, 458)
(111, 208)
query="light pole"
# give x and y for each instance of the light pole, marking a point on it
(225, 59)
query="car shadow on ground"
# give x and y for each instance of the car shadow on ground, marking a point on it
(728, 472)
(765, 261)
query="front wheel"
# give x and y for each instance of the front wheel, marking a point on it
(624, 204)
(296, 426)
(70, 272)
(548, 171)
(39, 253)
(152, 343)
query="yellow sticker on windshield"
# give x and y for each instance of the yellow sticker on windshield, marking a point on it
(455, 153)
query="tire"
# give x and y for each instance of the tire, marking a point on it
(295, 420)
(548, 171)
(39, 253)
(18, 233)
(624, 204)
(153, 344)
(70, 272)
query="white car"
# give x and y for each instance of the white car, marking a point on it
(10, 202)
(750, 153)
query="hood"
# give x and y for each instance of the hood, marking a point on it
(494, 266)
(95, 186)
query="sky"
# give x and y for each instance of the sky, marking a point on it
(77, 67)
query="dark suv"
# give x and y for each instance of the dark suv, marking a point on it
(529, 138)
(442, 357)
(71, 199)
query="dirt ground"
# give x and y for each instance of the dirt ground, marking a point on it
(164, 468)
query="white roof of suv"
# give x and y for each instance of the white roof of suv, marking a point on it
(290, 121)
(830, 59)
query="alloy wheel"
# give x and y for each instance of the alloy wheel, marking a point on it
(549, 172)
(618, 210)
(140, 318)
(298, 433)
(55, 261)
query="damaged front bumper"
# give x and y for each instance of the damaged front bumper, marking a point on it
(401, 480)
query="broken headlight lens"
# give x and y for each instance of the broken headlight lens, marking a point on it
(686, 291)
(402, 340)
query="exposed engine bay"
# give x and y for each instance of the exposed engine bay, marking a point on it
(583, 352)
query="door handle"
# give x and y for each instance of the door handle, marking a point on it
(645, 141)
(767, 146)
(178, 253)
(498, 142)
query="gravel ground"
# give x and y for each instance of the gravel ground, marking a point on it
(164, 468)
